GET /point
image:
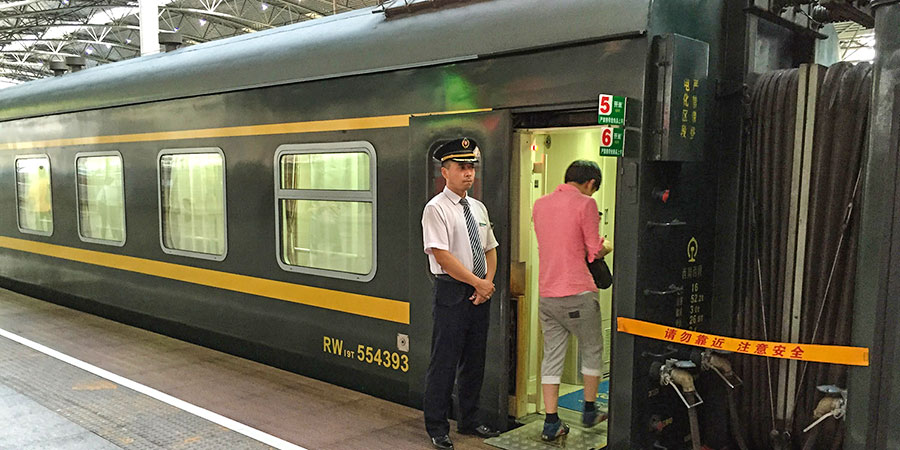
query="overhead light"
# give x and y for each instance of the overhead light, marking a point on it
(65, 2)
(264, 6)
(202, 22)
(89, 50)
(128, 41)
(108, 45)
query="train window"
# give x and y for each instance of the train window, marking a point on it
(34, 210)
(192, 202)
(325, 209)
(100, 193)
(325, 171)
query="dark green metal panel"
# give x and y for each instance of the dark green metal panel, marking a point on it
(726, 143)
(874, 393)
(682, 95)
(658, 236)
(697, 19)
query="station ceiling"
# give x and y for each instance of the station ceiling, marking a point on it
(35, 32)
(856, 42)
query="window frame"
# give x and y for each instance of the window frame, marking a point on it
(16, 182)
(124, 201)
(183, 151)
(367, 196)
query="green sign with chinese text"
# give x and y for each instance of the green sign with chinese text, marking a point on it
(612, 141)
(611, 110)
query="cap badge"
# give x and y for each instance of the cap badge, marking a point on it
(465, 143)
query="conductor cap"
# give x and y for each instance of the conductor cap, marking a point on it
(462, 150)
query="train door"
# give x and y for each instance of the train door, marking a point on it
(493, 133)
(539, 164)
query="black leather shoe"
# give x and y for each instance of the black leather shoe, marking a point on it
(442, 442)
(483, 431)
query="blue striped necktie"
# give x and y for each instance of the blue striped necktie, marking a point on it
(479, 266)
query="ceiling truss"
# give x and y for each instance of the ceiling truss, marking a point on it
(33, 33)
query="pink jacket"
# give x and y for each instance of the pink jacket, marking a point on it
(567, 224)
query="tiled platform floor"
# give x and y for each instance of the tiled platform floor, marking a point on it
(28, 424)
(51, 404)
(39, 393)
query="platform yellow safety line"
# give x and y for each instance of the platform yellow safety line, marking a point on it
(832, 354)
(358, 123)
(361, 305)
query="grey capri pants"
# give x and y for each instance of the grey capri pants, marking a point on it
(576, 314)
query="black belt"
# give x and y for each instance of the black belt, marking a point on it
(446, 277)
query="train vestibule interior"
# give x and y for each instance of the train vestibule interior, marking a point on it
(540, 160)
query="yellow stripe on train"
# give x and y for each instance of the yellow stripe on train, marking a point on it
(361, 305)
(357, 123)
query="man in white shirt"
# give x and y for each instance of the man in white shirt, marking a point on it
(462, 255)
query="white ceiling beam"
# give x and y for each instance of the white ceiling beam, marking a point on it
(18, 4)
(149, 23)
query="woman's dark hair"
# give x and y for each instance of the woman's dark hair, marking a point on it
(582, 171)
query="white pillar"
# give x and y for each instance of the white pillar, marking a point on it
(149, 16)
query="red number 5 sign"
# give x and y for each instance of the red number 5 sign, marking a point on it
(611, 110)
(605, 104)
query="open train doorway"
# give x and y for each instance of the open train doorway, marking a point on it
(540, 159)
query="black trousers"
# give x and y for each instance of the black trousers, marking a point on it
(458, 344)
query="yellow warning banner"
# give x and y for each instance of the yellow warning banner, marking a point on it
(833, 354)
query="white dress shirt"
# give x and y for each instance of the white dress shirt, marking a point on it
(444, 228)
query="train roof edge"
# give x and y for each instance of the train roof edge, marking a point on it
(356, 42)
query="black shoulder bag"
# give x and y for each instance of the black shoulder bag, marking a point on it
(600, 272)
